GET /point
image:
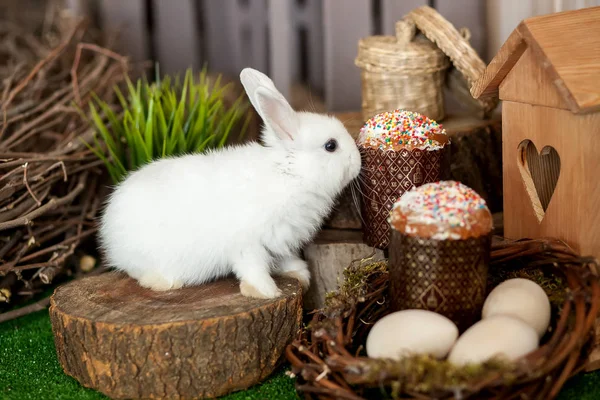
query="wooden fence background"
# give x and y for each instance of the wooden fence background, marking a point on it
(309, 41)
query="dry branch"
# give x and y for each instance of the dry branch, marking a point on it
(49, 180)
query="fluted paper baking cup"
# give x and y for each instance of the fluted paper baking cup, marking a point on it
(448, 277)
(385, 177)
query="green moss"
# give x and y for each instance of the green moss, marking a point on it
(355, 284)
(554, 285)
(424, 373)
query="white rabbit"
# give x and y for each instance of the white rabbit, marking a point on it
(246, 209)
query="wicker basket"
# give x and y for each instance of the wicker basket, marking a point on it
(329, 361)
(407, 72)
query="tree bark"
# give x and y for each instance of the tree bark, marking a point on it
(206, 341)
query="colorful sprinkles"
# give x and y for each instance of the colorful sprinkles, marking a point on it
(401, 129)
(444, 203)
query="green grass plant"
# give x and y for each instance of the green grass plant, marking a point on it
(167, 117)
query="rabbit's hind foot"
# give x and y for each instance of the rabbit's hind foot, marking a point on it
(158, 282)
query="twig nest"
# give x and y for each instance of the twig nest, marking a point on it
(408, 332)
(520, 298)
(498, 336)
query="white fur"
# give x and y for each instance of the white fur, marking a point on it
(246, 209)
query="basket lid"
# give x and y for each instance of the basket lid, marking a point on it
(455, 44)
(408, 49)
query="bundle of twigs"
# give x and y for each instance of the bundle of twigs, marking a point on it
(50, 182)
(329, 360)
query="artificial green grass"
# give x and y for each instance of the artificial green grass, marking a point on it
(29, 369)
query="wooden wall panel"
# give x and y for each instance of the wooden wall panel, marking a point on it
(342, 30)
(570, 216)
(394, 10)
(503, 16)
(469, 14)
(310, 18)
(176, 35)
(129, 17)
(249, 27)
(219, 33)
(280, 44)
(78, 7)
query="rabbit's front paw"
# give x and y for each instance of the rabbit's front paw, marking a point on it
(249, 290)
(159, 283)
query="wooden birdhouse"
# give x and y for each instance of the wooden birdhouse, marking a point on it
(547, 75)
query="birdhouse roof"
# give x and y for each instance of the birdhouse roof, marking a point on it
(567, 46)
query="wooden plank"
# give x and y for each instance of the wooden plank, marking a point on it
(281, 30)
(503, 16)
(249, 24)
(218, 37)
(78, 7)
(567, 45)
(129, 17)
(310, 18)
(569, 215)
(489, 82)
(177, 39)
(538, 89)
(541, 7)
(341, 34)
(394, 10)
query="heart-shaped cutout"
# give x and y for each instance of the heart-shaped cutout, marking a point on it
(540, 172)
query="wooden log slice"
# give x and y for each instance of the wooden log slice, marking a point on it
(327, 256)
(126, 341)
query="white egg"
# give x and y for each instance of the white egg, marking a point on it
(520, 298)
(411, 332)
(500, 335)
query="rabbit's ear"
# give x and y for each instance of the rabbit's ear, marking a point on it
(251, 80)
(276, 113)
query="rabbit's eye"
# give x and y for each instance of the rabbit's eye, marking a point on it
(331, 145)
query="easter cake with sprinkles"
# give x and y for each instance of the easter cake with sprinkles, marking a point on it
(402, 129)
(441, 210)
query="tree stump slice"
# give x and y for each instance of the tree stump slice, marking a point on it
(327, 256)
(127, 341)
